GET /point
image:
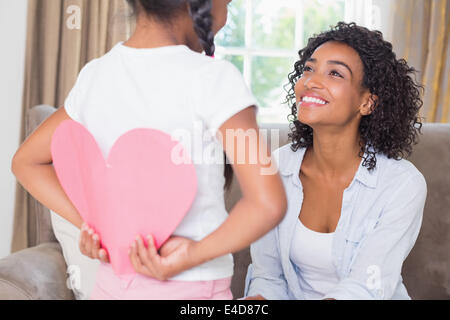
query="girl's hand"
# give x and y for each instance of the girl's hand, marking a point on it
(90, 244)
(176, 255)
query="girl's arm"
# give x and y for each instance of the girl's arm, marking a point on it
(263, 203)
(32, 165)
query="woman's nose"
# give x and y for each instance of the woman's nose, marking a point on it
(312, 81)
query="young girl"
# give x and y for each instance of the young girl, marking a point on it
(159, 79)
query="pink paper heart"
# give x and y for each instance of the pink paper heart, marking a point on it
(137, 190)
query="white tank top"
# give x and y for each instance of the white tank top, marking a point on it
(311, 252)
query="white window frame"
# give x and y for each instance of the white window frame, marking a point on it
(248, 52)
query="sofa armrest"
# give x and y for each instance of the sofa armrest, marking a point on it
(37, 273)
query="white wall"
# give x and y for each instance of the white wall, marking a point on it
(13, 16)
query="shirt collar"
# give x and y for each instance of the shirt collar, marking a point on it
(366, 177)
(291, 166)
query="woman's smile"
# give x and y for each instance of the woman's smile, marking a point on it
(312, 99)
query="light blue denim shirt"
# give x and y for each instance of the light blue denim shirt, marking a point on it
(380, 220)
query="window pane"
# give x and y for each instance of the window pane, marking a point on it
(269, 75)
(233, 34)
(273, 25)
(319, 15)
(238, 61)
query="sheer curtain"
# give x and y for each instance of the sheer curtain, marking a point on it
(419, 32)
(362, 13)
(62, 36)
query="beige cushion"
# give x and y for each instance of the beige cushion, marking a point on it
(426, 271)
(39, 225)
(36, 273)
(81, 270)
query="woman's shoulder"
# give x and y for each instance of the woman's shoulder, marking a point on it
(288, 159)
(399, 172)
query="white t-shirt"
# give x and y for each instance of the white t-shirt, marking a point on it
(311, 251)
(178, 91)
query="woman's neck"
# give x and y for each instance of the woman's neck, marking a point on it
(335, 154)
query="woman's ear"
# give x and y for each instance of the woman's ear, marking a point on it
(369, 104)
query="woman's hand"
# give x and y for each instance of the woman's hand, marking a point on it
(175, 256)
(90, 244)
(258, 297)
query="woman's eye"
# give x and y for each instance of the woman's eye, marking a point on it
(335, 73)
(307, 69)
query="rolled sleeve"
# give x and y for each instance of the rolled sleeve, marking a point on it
(265, 275)
(376, 270)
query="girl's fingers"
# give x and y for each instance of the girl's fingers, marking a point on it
(83, 239)
(96, 246)
(154, 258)
(142, 252)
(103, 255)
(89, 244)
(135, 261)
(153, 253)
(140, 259)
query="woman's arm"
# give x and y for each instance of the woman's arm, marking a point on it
(33, 168)
(265, 276)
(376, 271)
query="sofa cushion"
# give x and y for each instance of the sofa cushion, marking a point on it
(39, 225)
(426, 271)
(81, 270)
(37, 273)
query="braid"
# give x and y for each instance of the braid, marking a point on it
(200, 11)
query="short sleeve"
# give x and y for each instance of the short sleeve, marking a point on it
(221, 93)
(72, 101)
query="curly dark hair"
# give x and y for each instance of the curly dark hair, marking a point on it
(393, 127)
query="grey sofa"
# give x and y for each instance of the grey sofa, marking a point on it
(39, 272)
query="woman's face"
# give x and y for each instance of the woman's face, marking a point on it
(330, 90)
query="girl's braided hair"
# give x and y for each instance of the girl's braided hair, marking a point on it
(200, 12)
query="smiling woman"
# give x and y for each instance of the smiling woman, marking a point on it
(391, 124)
(355, 205)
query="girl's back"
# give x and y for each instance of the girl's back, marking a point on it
(180, 92)
(159, 80)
